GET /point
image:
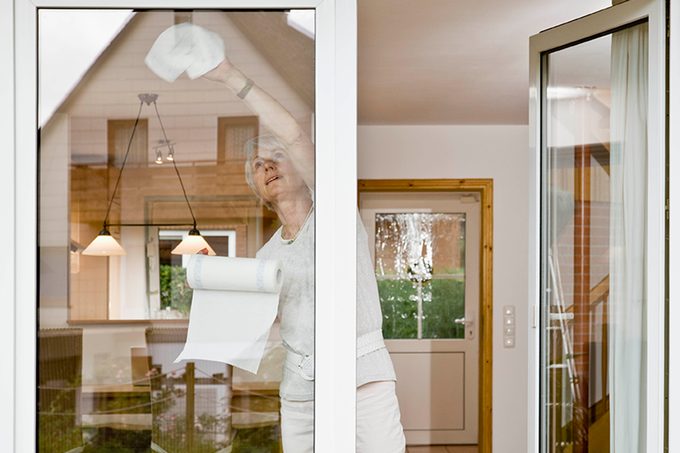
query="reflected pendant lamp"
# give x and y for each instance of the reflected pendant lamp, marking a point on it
(105, 244)
(192, 244)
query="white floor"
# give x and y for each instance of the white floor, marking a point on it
(443, 449)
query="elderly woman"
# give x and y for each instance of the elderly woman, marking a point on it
(280, 170)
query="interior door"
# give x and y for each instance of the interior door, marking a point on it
(426, 253)
(598, 134)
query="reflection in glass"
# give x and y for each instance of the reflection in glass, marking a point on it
(420, 267)
(111, 327)
(594, 252)
(175, 293)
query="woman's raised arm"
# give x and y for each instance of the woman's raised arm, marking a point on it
(272, 114)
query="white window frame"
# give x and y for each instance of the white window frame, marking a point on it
(183, 234)
(674, 233)
(577, 30)
(7, 205)
(335, 194)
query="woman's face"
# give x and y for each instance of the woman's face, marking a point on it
(276, 178)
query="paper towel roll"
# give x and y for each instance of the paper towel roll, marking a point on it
(234, 274)
(234, 304)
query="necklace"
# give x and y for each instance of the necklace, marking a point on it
(297, 233)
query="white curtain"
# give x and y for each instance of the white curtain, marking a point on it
(627, 304)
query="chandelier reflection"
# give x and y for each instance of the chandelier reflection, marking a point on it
(105, 244)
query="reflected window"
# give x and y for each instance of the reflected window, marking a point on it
(232, 134)
(119, 133)
(175, 293)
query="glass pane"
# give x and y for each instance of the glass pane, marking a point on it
(594, 245)
(399, 301)
(446, 301)
(420, 267)
(155, 154)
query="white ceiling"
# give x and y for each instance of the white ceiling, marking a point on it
(452, 61)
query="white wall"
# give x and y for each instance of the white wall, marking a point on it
(500, 153)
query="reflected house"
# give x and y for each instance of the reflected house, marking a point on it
(127, 314)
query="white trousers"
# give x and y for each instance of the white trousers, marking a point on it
(379, 427)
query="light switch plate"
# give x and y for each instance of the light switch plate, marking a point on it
(508, 326)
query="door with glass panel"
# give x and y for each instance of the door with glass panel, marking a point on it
(149, 165)
(598, 130)
(425, 248)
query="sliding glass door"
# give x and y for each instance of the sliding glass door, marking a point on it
(154, 145)
(598, 129)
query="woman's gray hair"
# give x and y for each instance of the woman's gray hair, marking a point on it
(252, 148)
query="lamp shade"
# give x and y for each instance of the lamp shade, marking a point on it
(192, 244)
(104, 245)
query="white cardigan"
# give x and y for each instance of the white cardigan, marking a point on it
(296, 313)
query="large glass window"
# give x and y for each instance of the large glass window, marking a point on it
(594, 213)
(147, 341)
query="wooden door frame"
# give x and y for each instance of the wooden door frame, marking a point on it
(485, 188)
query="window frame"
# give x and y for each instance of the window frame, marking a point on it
(8, 204)
(673, 309)
(335, 113)
(565, 35)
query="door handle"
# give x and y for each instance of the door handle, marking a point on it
(468, 323)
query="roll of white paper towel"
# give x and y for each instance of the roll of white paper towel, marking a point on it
(233, 308)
